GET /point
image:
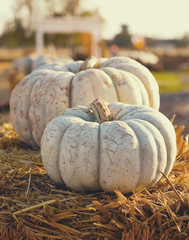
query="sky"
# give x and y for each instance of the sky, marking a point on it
(151, 18)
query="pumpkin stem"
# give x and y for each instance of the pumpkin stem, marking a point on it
(100, 110)
(90, 62)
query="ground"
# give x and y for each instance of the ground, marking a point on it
(176, 103)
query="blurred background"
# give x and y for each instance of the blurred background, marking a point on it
(155, 33)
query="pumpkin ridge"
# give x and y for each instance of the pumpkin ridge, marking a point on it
(143, 91)
(118, 98)
(70, 91)
(124, 113)
(38, 100)
(98, 156)
(74, 66)
(68, 67)
(164, 131)
(105, 74)
(49, 107)
(60, 125)
(30, 98)
(127, 80)
(135, 112)
(93, 87)
(14, 113)
(153, 101)
(113, 109)
(45, 100)
(26, 81)
(160, 145)
(75, 164)
(60, 153)
(58, 158)
(147, 151)
(119, 145)
(145, 76)
(83, 83)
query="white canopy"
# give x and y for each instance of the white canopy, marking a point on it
(70, 24)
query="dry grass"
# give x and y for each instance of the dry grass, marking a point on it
(33, 207)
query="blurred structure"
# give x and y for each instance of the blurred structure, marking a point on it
(122, 39)
(114, 49)
(71, 24)
(147, 58)
(184, 73)
(138, 41)
(172, 59)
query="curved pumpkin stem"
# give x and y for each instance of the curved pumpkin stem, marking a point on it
(90, 62)
(100, 110)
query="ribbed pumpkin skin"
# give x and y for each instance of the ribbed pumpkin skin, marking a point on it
(49, 91)
(128, 153)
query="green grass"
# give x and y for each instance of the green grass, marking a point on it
(169, 82)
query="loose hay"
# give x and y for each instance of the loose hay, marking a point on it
(33, 207)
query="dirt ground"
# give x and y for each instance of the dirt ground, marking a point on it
(176, 103)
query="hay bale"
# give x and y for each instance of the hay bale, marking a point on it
(34, 207)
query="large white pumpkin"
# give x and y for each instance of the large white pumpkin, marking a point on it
(49, 91)
(128, 151)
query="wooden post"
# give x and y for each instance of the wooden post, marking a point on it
(39, 41)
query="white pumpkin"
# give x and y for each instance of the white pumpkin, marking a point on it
(44, 61)
(128, 151)
(50, 90)
(21, 67)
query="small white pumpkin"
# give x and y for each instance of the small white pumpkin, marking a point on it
(49, 91)
(126, 149)
(21, 67)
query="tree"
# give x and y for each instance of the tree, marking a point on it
(123, 39)
(20, 31)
